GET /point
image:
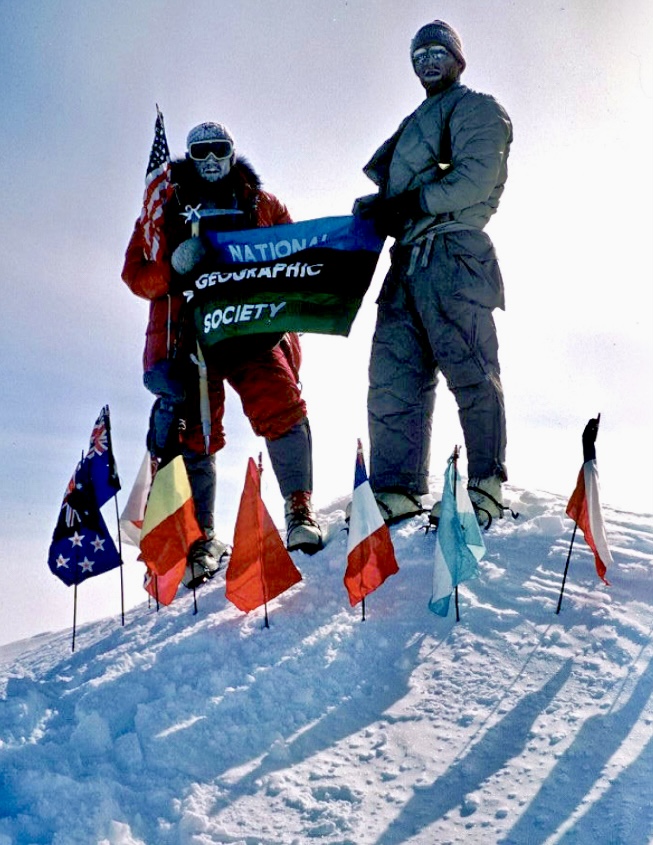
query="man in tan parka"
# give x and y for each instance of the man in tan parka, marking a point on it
(440, 177)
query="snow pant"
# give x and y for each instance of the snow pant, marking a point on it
(201, 475)
(291, 456)
(435, 314)
(268, 386)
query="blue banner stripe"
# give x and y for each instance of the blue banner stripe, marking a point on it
(276, 243)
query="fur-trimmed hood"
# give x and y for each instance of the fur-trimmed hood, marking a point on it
(242, 181)
(241, 189)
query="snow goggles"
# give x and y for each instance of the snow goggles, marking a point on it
(201, 150)
(433, 51)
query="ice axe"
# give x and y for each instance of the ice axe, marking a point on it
(205, 404)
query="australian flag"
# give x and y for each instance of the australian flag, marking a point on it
(104, 473)
(81, 544)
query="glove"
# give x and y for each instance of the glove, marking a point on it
(390, 215)
(188, 255)
(589, 438)
(393, 213)
(163, 431)
(364, 207)
(163, 380)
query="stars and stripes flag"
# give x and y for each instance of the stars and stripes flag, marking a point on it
(370, 553)
(81, 545)
(158, 190)
(459, 544)
(584, 506)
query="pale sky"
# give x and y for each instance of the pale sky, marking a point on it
(310, 88)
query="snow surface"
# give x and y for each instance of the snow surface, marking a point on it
(514, 725)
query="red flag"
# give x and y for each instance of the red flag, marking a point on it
(164, 588)
(158, 190)
(260, 567)
(169, 526)
(370, 553)
(161, 587)
(585, 509)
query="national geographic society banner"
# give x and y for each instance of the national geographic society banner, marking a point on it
(309, 276)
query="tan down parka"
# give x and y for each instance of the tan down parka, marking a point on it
(454, 147)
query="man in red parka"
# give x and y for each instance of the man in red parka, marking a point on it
(262, 369)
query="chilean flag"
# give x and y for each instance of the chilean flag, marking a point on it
(370, 554)
(584, 506)
(585, 509)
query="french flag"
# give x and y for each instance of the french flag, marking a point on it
(370, 554)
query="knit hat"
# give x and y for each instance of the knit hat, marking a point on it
(439, 32)
(209, 132)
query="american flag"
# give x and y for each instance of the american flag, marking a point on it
(158, 189)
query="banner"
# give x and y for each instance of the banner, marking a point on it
(309, 276)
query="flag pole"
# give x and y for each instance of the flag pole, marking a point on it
(122, 580)
(195, 610)
(454, 459)
(114, 471)
(75, 597)
(205, 402)
(363, 609)
(266, 623)
(564, 577)
(589, 453)
(74, 616)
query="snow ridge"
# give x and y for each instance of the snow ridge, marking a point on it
(514, 725)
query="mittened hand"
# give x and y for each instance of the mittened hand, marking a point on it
(163, 431)
(589, 438)
(392, 214)
(364, 207)
(403, 207)
(188, 255)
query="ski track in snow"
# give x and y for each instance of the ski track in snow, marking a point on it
(514, 725)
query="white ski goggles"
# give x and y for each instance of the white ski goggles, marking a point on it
(432, 51)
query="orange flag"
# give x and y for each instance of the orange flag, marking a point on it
(260, 567)
(169, 529)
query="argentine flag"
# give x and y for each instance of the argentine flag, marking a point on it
(458, 544)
